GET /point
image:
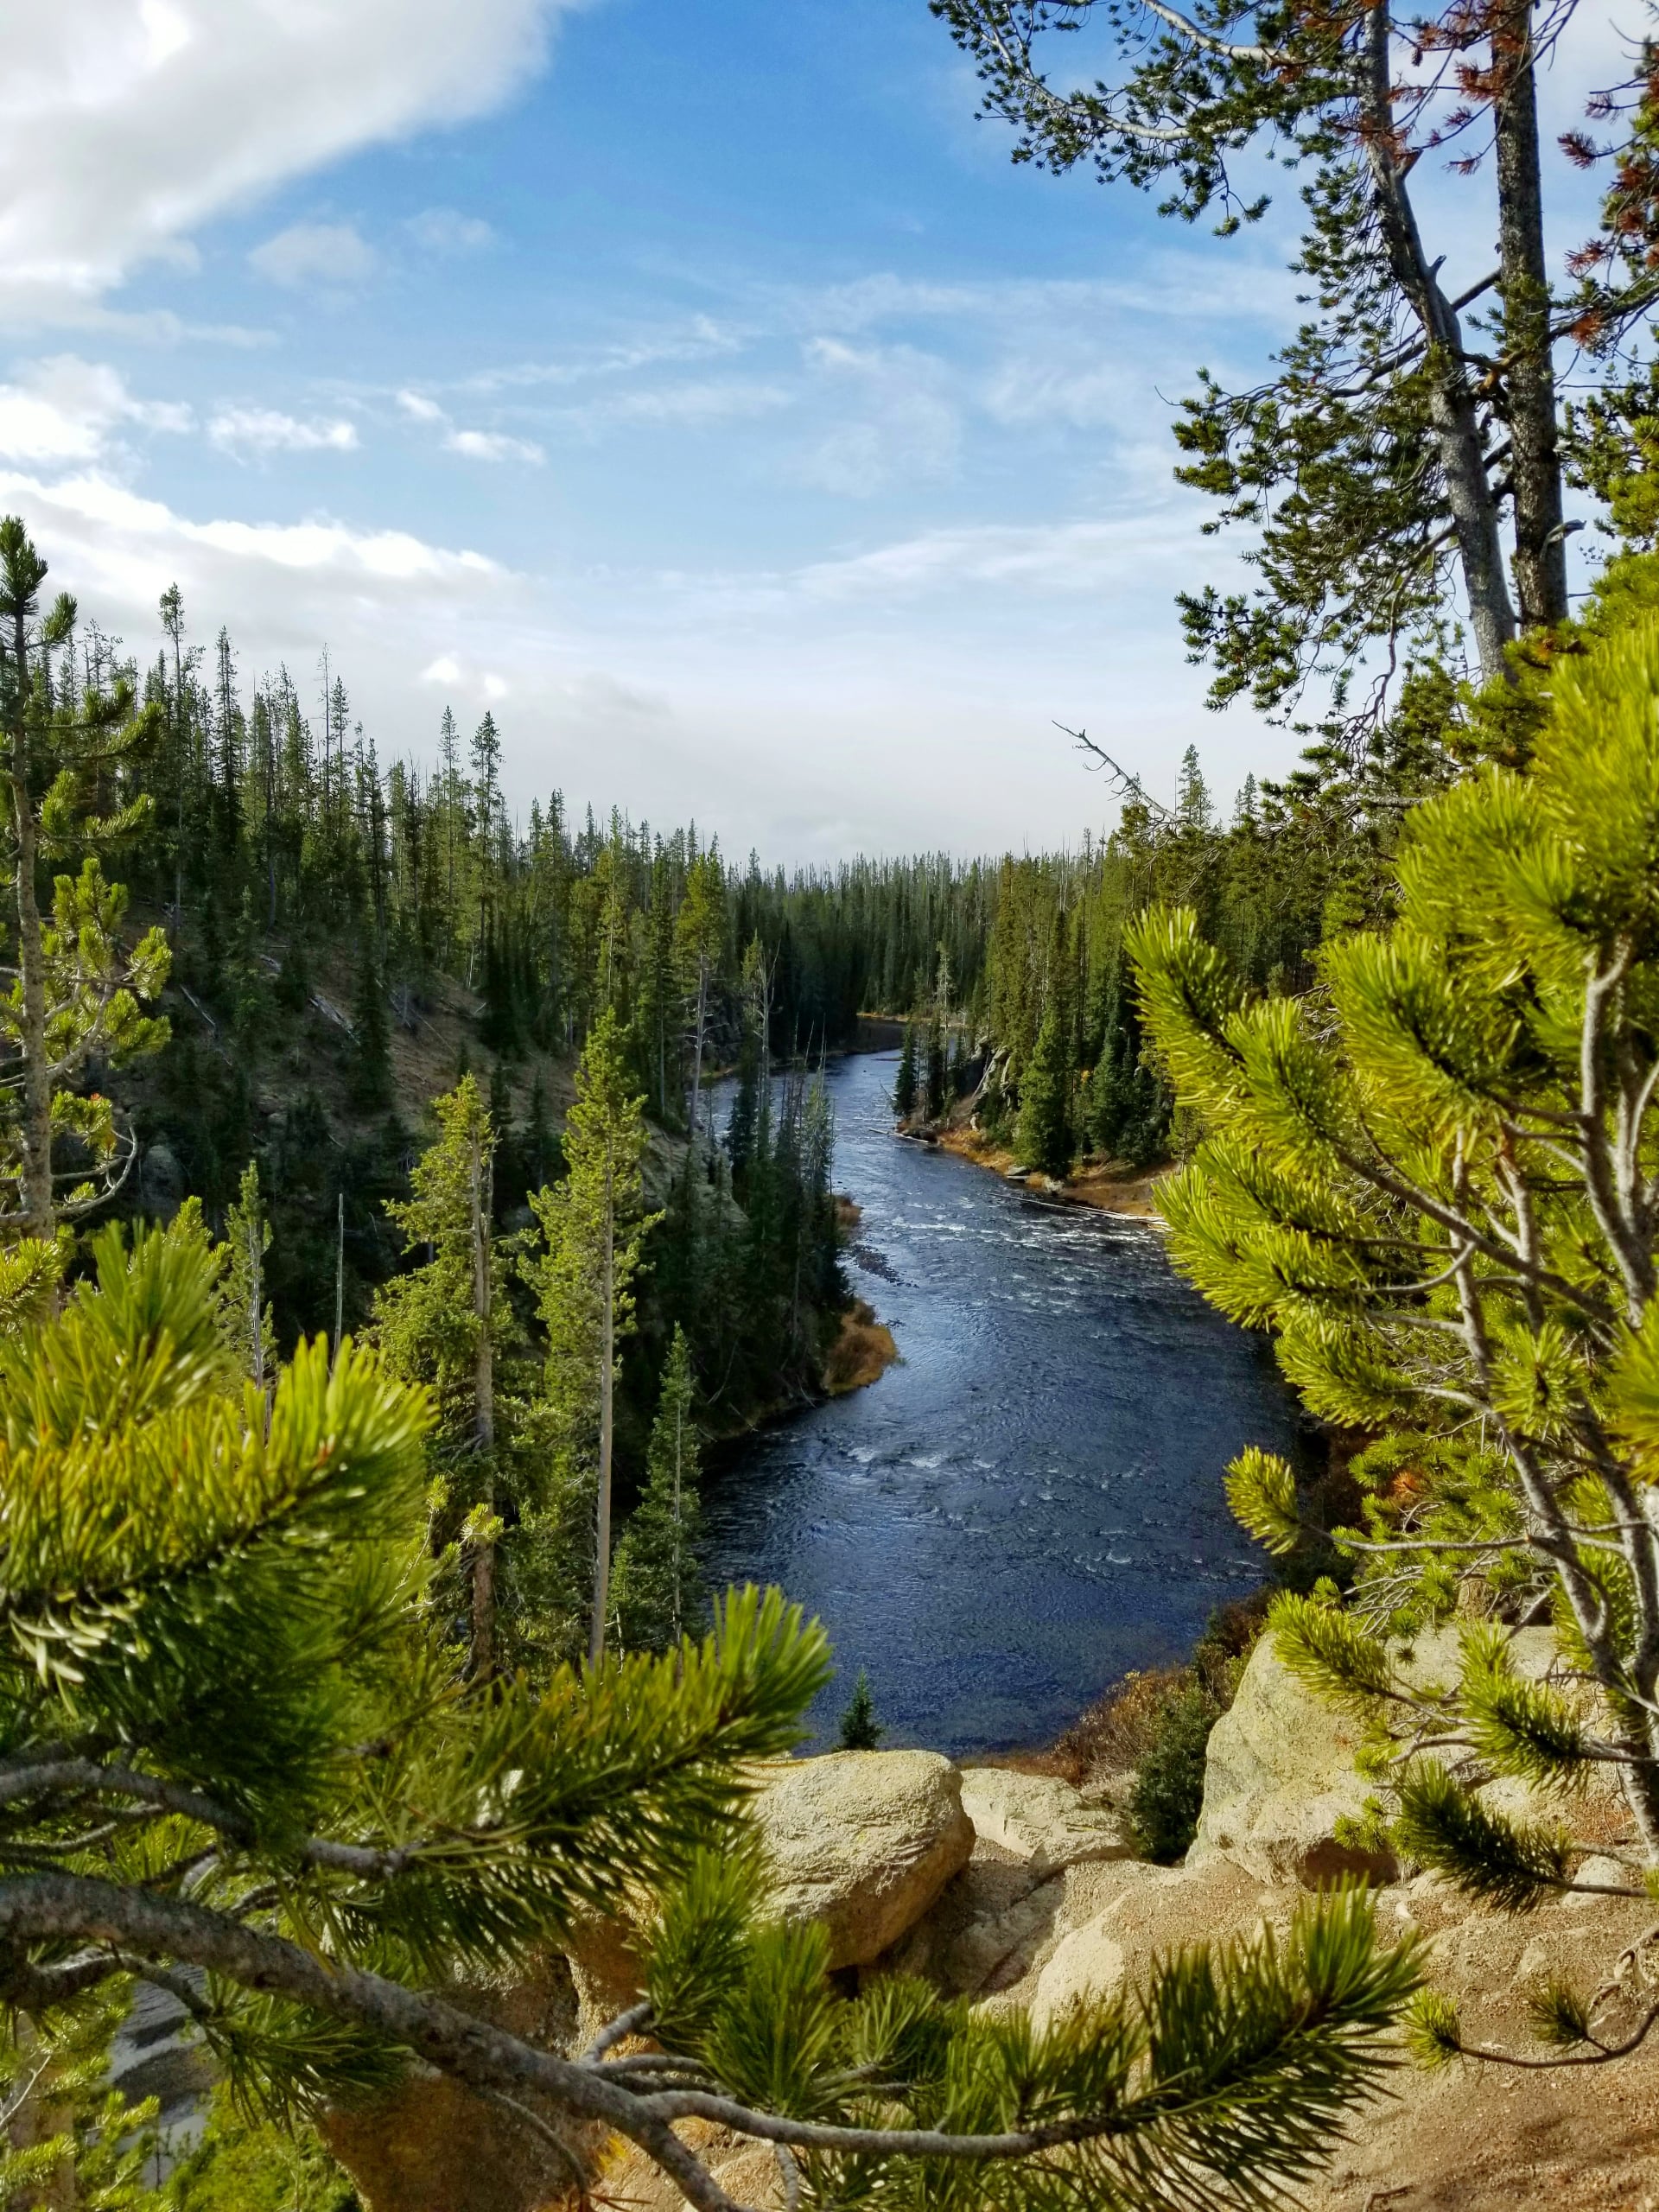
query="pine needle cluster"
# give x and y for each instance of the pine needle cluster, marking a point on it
(1436, 1180)
(233, 1739)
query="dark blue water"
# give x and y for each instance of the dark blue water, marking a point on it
(1032, 1502)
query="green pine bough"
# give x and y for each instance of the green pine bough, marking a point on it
(1436, 1179)
(237, 1760)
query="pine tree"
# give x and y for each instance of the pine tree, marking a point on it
(75, 996)
(658, 1587)
(934, 1086)
(543, 1155)
(904, 1084)
(370, 1077)
(245, 1317)
(445, 1325)
(700, 937)
(859, 1729)
(1043, 1137)
(73, 2140)
(593, 1230)
(1375, 469)
(1437, 1185)
(960, 1079)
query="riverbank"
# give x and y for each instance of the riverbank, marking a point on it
(1109, 1186)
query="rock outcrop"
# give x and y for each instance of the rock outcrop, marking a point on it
(1018, 1893)
(1000, 1911)
(1279, 1777)
(431, 2147)
(863, 1842)
(1041, 1819)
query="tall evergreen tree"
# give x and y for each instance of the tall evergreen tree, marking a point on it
(658, 1587)
(934, 1079)
(1043, 1138)
(76, 990)
(445, 1323)
(592, 1228)
(245, 1315)
(370, 1077)
(1394, 445)
(700, 937)
(904, 1090)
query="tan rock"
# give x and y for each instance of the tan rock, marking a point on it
(1279, 1774)
(863, 1842)
(1278, 1777)
(1040, 1819)
(1103, 1897)
(981, 1932)
(431, 2147)
(748, 2172)
(606, 1967)
(1087, 1965)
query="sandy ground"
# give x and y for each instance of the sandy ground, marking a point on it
(1108, 1187)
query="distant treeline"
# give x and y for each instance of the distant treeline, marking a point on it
(279, 844)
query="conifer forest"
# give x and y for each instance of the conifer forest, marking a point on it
(953, 1507)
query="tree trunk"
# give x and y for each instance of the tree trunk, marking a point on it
(697, 1048)
(36, 2119)
(607, 1412)
(483, 1638)
(339, 1272)
(679, 1533)
(256, 1278)
(39, 1214)
(1528, 400)
(1455, 423)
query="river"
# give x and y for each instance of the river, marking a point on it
(1031, 1504)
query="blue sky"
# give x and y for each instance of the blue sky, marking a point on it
(701, 389)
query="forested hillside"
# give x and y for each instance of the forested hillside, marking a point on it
(350, 931)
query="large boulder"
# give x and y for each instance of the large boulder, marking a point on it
(863, 1842)
(1279, 1777)
(1039, 1820)
(1279, 1774)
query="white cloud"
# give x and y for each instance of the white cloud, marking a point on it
(702, 339)
(445, 230)
(279, 588)
(123, 128)
(475, 445)
(454, 675)
(1086, 558)
(66, 409)
(926, 668)
(263, 429)
(324, 256)
(492, 445)
(897, 420)
(685, 406)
